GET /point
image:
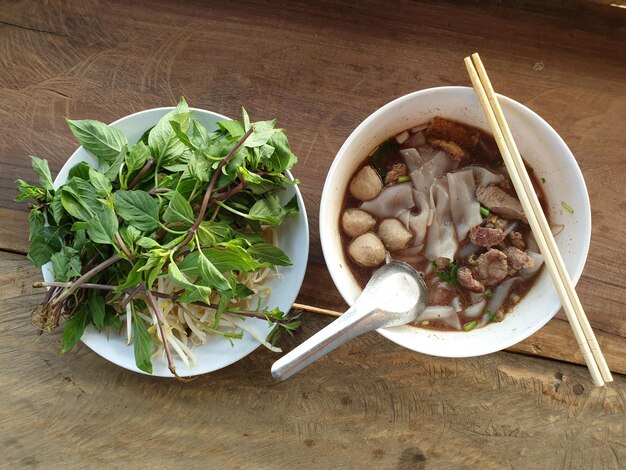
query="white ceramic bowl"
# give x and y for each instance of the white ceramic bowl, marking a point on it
(293, 238)
(540, 146)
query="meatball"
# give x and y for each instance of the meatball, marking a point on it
(356, 222)
(394, 235)
(366, 184)
(367, 250)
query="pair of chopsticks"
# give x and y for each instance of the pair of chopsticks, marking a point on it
(583, 333)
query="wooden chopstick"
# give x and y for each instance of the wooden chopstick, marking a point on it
(579, 323)
(321, 311)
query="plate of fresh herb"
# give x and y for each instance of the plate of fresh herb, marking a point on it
(173, 223)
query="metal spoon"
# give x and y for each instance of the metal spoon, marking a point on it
(395, 295)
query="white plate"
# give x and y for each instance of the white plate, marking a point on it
(293, 236)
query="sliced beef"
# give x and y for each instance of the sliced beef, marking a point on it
(443, 129)
(466, 280)
(487, 237)
(499, 202)
(517, 240)
(453, 149)
(490, 268)
(517, 259)
(396, 170)
(496, 222)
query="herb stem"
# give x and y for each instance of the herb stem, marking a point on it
(161, 325)
(231, 192)
(123, 246)
(141, 173)
(88, 275)
(209, 190)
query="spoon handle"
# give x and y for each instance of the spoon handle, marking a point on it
(349, 325)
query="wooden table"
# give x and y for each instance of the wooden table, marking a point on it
(321, 68)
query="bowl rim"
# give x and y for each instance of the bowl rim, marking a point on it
(239, 353)
(394, 334)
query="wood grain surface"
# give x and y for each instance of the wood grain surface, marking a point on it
(321, 68)
(369, 404)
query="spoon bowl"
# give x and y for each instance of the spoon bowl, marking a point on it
(395, 295)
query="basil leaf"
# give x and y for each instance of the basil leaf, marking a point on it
(102, 227)
(100, 182)
(134, 276)
(80, 170)
(43, 245)
(269, 210)
(262, 133)
(41, 168)
(210, 275)
(165, 146)
(181, 134)
(66, 264)
(282, 159)
(148, 243)
(246, 119)
(36, 222)
(193, 292)
(200, 167)
(104, 142)
(74, 328)
(256, 183)
(96, 307)
(199, 136)
(28, 191)
(234, 128)
(56, 208)
(78, 198)
(137, 157)
(178, 210)
(142, 344)
(234, 258)
(137, 208)
(268, 253)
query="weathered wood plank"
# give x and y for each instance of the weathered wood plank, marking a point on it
(369, 403)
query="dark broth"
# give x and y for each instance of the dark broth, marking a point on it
(486, 155)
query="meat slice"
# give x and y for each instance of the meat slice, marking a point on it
(396, 170)
(487, 237)
(499, 202)
(466, 279)
(517, 259)
(491, 267)
(517, 240)
(444, 129)
(453, 149)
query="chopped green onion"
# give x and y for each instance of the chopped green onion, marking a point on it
(567, 207)
(484, 211)
(470, 326)
(489, 293)
(403, 179)
(492, 316)
(543, 180)
(449, 277)
(531, 170)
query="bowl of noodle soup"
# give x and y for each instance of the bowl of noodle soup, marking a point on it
(566, 204)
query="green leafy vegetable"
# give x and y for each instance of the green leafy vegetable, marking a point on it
(448, 274)
(142, 344)
(104, 142)
(177, 221)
